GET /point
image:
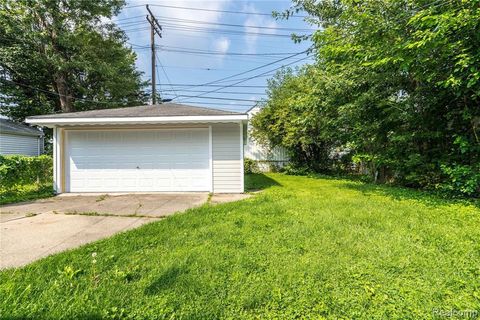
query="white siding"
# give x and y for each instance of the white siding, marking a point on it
(19, 144)
(262, 154)
(227, 158)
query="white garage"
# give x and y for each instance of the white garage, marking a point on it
(162, 148)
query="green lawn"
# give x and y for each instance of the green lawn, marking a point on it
(303, 248)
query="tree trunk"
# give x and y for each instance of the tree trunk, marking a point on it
(66, 101)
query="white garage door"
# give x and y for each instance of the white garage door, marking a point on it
(138, 160)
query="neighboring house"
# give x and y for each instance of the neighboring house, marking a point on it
(17, 138)
(166, 148)
(264, 156)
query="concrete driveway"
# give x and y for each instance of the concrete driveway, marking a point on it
(33, 230)
(153, 205)
(26, 239)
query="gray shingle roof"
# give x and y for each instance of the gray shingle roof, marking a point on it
(8, 126)
(160, 110)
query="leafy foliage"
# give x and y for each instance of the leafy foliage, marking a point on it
(394, 94)
(25, 178)
(23, 170)
(61, 56)
(250, 166)
(21, 193)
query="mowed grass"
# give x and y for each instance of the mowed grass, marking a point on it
(25, 193)
(302, 248)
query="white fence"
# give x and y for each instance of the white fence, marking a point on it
(264, 156)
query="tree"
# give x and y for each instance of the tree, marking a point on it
(63, 56)
(399, 87)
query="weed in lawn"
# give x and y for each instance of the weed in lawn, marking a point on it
(209, 199)
(302, 248)
(101, 198)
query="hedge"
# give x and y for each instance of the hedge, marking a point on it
(22, 170)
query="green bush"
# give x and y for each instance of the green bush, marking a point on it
(250, 166)
(297, 170)
(461, 180)
(23, 170)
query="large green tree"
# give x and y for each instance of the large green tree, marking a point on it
(396, 83)
(63, 56)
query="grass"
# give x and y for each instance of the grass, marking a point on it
(302, 248)
(25, 193)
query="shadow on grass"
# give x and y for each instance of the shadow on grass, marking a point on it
(165, 281)
(258, 181)
(401, 193)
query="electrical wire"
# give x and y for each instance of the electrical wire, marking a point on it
(225, 92)
(166, 75)
(250, 78)
(230, 24)
(223, 11)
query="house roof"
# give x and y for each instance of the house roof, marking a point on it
(159, 110)
(8, 126)
(162, 113)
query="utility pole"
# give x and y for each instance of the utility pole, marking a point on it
(155, 27)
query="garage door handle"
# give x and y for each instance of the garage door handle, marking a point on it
(138, 167)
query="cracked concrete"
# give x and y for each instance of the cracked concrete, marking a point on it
(151, 205)
(33, 230)
(25, 240)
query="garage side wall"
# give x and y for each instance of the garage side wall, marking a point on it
(227, 154)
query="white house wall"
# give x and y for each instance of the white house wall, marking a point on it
(19, 144)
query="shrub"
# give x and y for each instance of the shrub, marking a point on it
(250, 166)
(23, 170)
(296, 170)
(461, 180)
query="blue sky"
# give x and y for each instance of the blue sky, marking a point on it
(205, 31)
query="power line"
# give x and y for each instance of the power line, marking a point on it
(58, 94)
(223, 92)
(178, 27)
(129, 18)
(95, 101)
(232, 25)
(250, 78)
(223, 11)
(236, 106)
(199, 23)
(202, 51)
(215, 98)
(216, 85)
(254, 69)
(166, 76)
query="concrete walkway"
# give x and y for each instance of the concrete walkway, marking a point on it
(33, 230)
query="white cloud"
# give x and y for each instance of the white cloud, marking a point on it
(253, 24)
(222, 44)
(176, 38)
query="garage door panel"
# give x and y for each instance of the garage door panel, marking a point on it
(148, 160)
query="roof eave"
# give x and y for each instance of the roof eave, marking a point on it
(28, 134)
(53, 122)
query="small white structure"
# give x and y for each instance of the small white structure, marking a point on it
(161, 148)
(264, 156)
(19, 139)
